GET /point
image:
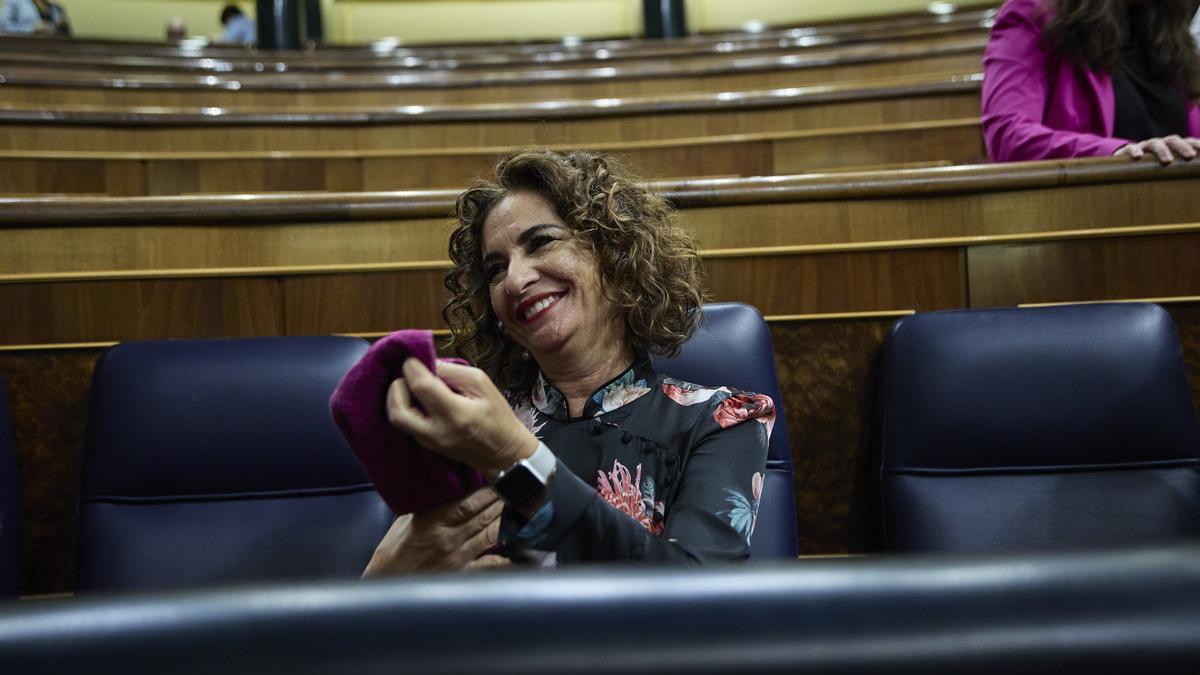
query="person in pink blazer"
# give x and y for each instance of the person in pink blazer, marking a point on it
(1041, 102)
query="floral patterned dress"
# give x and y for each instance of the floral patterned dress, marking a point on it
(654, 470)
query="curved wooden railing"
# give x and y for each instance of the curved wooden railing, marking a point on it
(256, 209)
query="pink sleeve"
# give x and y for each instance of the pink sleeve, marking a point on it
(1193, 116)
(1016, 92)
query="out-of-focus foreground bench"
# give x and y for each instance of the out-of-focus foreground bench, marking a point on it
(1117, 611)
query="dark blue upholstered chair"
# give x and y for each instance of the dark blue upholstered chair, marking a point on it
(11, 521)
(1028, 429)
(733, 347)
(215, 461)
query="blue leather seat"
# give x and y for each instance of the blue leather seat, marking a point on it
(11, 521)
(1095, 612)
(214, 461)
(1028, 429)
(733, 347)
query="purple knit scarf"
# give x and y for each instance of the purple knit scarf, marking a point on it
(408, 477)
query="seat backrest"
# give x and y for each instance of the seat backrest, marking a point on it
(1026, 429)
(732, 347)
(11, 520)
(215, 461)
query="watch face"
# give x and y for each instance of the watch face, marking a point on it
(519, 485)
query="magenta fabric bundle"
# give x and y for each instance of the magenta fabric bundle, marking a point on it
(408, 477)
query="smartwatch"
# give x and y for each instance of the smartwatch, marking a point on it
(524, 481)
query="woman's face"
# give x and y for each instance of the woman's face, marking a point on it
(543, 282)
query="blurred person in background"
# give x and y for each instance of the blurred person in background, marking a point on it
(176, 29)
(239, 28)
(1091, 78)
(40, 17)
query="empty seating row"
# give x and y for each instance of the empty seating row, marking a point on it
(909, 145)
(490, 58)
(58, 85)
(580, 122)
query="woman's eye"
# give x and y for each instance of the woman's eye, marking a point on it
(539, 241)
(492, 272)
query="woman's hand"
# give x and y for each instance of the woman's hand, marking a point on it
(1165, 149)
(451, 537)
(465, 418)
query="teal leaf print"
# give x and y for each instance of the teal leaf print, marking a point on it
(741, 515)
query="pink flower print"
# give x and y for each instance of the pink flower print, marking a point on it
(619, 489)
(618, 396)
(688, 396)
(742, 406)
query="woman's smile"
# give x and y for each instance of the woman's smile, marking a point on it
(536, 307)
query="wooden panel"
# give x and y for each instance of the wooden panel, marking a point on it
(924, 279)
(251, 137)
(174, 178)
(343, 174)
(958, 144)
(48, 392)
(75, 312)
(363, 303)
(913, 216)
(1094, 269)
(203, 247)
(826, 374)
(230, 176)
(125, 179)
(89, 177)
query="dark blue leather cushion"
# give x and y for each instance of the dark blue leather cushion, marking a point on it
(1126, 611)
(217, 460)
(732, 347)
(11, 521)
(1037, 428)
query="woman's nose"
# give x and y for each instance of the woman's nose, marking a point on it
(520, 275)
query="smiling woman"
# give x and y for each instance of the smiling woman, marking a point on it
(567, 276)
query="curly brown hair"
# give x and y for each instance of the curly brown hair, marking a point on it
(648, 267)
(1093, 31)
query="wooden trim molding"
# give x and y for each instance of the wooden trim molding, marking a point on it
(1169, 300)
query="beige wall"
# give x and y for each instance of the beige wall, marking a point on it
(145, 19)
(415, 21)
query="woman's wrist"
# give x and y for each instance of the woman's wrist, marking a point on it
(520, 446)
